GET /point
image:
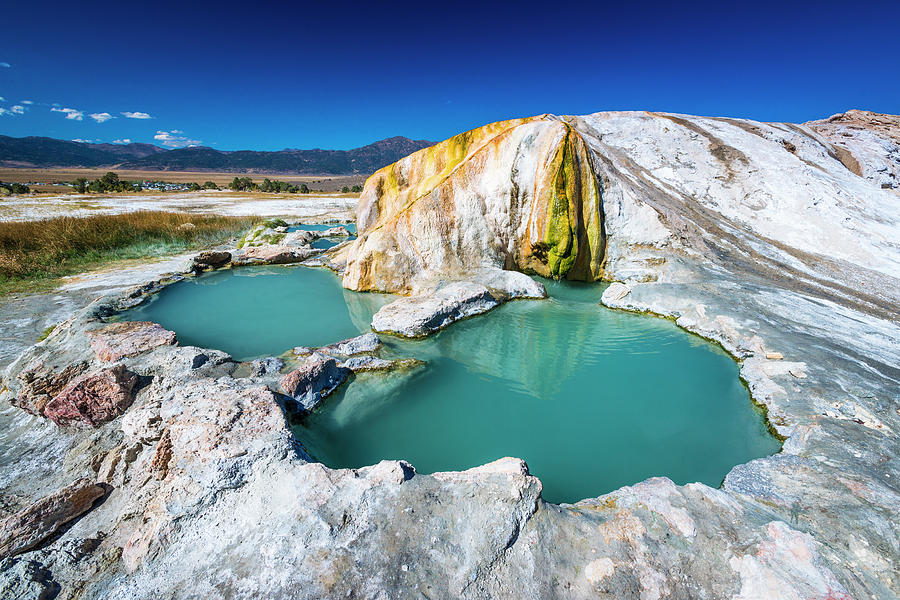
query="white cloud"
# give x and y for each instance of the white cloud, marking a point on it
(172, 139)
(3, 111)
(18, 109)
(26, 101)
(5, 64)
(81, 141)
(136, 115)
(71, 113)
(122, 141)
(101, 117)
(2, 99)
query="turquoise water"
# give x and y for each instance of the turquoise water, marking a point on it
(351, 227)
(326, 243)
(591, 398)
(255, 311)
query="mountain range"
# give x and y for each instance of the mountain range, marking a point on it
(32, 152)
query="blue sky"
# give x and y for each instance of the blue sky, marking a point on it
(271, 75)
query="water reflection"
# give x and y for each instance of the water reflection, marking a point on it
(593, 399)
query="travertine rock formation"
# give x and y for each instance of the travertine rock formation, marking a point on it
(516, 195)
(764, 237)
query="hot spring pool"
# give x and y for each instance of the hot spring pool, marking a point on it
(351, 227)
(591, 398)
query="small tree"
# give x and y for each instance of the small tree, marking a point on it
(356, 189)
(209, 185)
(345, 190)
(304, 189)
(195, 187)
(80, 185)
(109, 182)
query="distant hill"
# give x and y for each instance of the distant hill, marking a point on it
(48, 152)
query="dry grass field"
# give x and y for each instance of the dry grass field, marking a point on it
(34, 254)
(327, 183)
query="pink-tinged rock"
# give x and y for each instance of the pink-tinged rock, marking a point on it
(28, 528)
(93, 398)
(40, 383)
(129, 338)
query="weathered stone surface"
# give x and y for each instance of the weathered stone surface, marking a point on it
(358, 364)
(39, 384)
(299, 238)
(31, 526)
(93, 398)
(339, 231)
(264, 366)
(365, 343)
(274, 254)
(212, 258)
(418, 316)
(867, 143)
(128, 338)
(313, 380)
(516, 195)
(26, 580)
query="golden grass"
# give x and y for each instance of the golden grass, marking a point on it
(33, 254)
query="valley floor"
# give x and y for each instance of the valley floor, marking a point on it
(225, 202)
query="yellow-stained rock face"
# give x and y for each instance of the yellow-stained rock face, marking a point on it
(516, 195)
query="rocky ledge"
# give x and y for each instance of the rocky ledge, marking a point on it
(759, 236)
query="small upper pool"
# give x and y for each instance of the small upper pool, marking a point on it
(351, 227)
(255, 311)
(591, 398)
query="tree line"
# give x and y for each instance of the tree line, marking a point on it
(110, 182)
(15, 188)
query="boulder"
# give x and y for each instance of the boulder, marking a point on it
(299, 238)
(421, 315)
(275, 254)
(264, 366)
(615, 292)
(40, 383)
(367, 362)
(367, 342)
(28, 528)
(129, 338)
(212, 259)
(93, 398)
(314, 380)
(340, 230)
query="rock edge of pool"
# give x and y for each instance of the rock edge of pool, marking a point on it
(186, 482)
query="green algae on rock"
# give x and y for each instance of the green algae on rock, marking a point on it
(518, 195)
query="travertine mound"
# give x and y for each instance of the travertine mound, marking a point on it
(517, 195)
